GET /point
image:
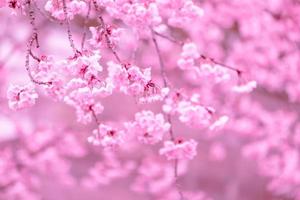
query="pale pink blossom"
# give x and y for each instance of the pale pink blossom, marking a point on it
(83, 100)
(179, 149)
(20, 97)
(193, 115)
(100, 36)
(148, 127)
(219, 123)
(73, 7)
(107, 136)
(248, 87)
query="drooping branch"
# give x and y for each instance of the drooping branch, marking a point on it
(203, 57)
(32, 39)
(169, 117)
(85, 25)
(106, 34)
(70, 37)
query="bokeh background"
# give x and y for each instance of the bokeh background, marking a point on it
(254, 157)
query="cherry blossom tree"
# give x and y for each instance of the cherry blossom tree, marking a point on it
(149, 99)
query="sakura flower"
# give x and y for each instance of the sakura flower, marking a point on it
(77, 7)
(45, 64)
(191, 10)
(73, 7)
(104, 90)
(131, 80)
(219, 123)
(188, 56)
(187, 12)
(186, 63)
(83, 100)
(171, 102)
(138, 80)
(248, 87)
(148, 127)
(87, 67)
(55, 89)
(154, 96)
(179, 149)
(20, 97)
(117, 75)
(193, 115)
(190, 50)
(99, 35)
(55, 8)
(76, 83)
(136, 14)
(107, 136)
(215, 71)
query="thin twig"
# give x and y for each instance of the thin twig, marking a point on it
(168, 38)
(212, 60)
(106, 35)
(95, 116)
(169, 118)
(70, 37)
(85, 25)
(32, 39)
(171, 39)
(50, 18)
(161, 63)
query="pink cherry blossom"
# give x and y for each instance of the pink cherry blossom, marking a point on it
(219, 123)
(248, 87)
(73, 7)
(20, 97)
(179, 149)
(107, 136)
(120, 82)
(148, 127)
(82, 99)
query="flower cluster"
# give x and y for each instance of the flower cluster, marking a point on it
(177, 66)
(107, 136)
(181, 12)
(21, 96)
(134, 13)
(73, 7)
(188, 109)
(179, 149)
(130, 80)
(100, 36)
(191, 60)
(148, 127)
(83, 100)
